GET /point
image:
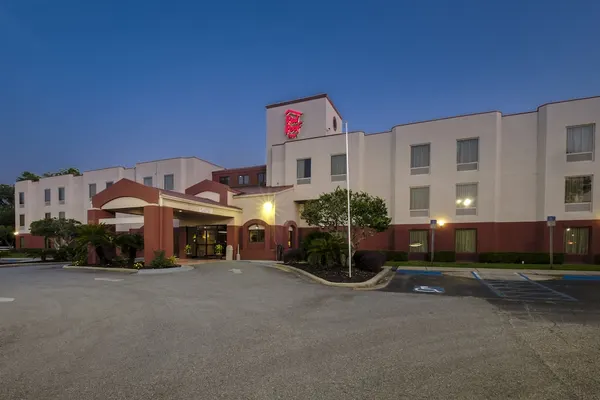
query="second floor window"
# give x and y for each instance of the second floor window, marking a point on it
(244, 180)
(148, 181)
(338, 167)
(224, 180)
(466, 199)
(578, 193)
(419, 201)
(109, 184)
(467, 154)
(580, 143)
(303, 171)
(419, 159)
(169, 182)
(47, 196)
(261, 178)
(22, 220)
(61, 195)
(21, 199)
(91, 190)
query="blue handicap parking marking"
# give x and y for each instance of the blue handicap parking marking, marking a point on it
(429, 289)
(581, 277)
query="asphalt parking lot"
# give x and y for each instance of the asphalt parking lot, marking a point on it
(244, 331)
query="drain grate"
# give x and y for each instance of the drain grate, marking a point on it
(523, 289)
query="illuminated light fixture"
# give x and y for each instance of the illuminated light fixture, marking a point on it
(458, 201)
(415, 244)
(467, 202)
(568, 229)
(16, 233)
(441, 222)
(268, 206)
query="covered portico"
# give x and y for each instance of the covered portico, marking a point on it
(157, 209)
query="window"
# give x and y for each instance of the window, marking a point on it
(418, 241)
(48, 216)
(148, 181)
(419, 201)
(580, 143)
(467, 154)
(290, 237)
(224, 180)
(578, 193)
(338, 167)
(169, 182)
(61, 195)
(577, 240)
(109, 184)
(21, 242)
(47, 196)
(92, 190)
(256, 234)
(419, 159)
(303, 171)
(466, 240)
(21, 199)
(244, 180)
(466, 199)
(22, 220)
(261, 179)
(61, 215)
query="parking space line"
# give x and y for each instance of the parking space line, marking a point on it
(108, 279)
(547, 288)
(6, 299)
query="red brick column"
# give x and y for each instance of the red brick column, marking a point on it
(158, 231)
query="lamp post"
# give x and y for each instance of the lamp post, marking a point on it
(348, 191)
(551, 222)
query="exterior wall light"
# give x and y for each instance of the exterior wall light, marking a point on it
(268, 207)
(441, 223)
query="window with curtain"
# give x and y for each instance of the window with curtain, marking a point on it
(580, 139)
(148, 181)
(169, 182)
(47, 216)
(243, 179)
(466, 198)
(303, 171)
(47, 196)
(578, 189)
(577, 240)
(256, 234)
(61, 195)
(466, 240)
(61, 215)
(91, 190)
(418, 241)
(419, 201)
(21, 220)
(467, 154)
(21, 198)
(419, 156)
(338, 167)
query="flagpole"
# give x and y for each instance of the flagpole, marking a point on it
(348, 191)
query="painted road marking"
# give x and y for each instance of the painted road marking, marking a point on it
(429, 289)
(524, 289)
(6, 299)
(236, 271)
(108, 279)
(581, 277)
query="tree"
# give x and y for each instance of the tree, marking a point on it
(7, 206)
(6, 235)
(28, 176)
(129, 243)
(330, 212)
(64, 171)
(98, 236)
(61, 231)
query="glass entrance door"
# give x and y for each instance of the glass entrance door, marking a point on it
(208, 241)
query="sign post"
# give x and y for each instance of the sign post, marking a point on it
(433, 224)
(551, 222)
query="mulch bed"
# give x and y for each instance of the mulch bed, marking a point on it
(336, 273)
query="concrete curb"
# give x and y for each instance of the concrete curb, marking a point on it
(355, 285)
(160, 271)
(31, 264)
(123, 270)
(500, 270)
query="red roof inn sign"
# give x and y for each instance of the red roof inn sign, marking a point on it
(293, 123)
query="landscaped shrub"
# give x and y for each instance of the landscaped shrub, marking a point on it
(369, 260)
(393, 255)
(293, 255)
(521, 258)
(162, 261)
(327, 251)
(43, 254)
(442, 256)
(306, 241)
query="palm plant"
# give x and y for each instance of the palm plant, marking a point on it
(326, 251)
(129, 243)
(96, 235)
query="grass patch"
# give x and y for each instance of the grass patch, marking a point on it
(10, 254)
(563, 267)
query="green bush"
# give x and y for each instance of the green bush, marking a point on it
(442, 256)
(393, 255)
(327, 251)
(368, 260)
(162, 261)
(520, 258)
(306, 241)
(293, 255)
(43, 254)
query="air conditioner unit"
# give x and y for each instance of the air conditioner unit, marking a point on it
(467, 166)
(466, 211)
(574, 207)
(336, 178)
(419, 213)
(575, 157)
(419, 171)
(303, 181)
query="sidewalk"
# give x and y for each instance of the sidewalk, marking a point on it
(501, 270)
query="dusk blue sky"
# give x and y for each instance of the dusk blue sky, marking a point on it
(93, 84)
